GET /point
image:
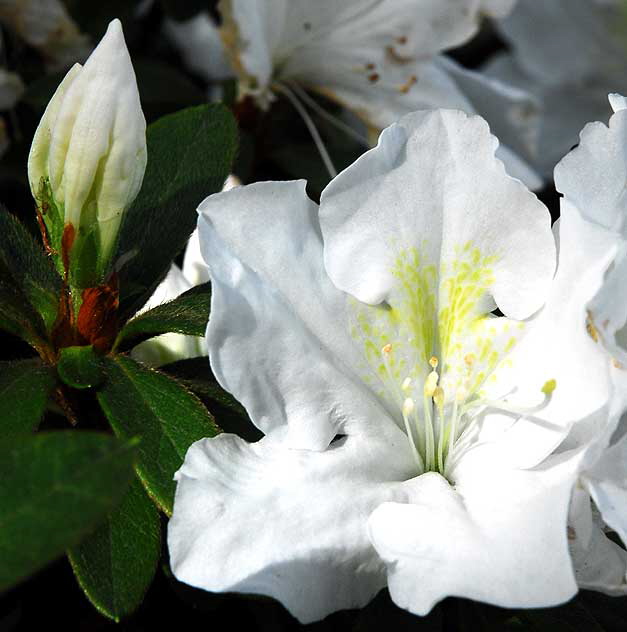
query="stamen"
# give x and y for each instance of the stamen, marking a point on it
(406, 384)
(407, 410)
(315, 135)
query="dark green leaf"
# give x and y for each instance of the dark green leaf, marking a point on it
(115, 564)
(144, 402)
(186, 314)
(24, 262)
(195, 374)
(17, 315)
(54, 488)
(189, 157)
(80, 367)
(25, 386)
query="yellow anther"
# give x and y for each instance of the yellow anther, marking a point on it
(469, 359)
(431, 383)
(433, 362)
(438, 397)
(406, 383)
(387, 348)
(408, 407)
(549, 387)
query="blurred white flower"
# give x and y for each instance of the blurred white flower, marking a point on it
(90, 145)
(413, 438)
(46, 26)
(569, 54)
(380, 59)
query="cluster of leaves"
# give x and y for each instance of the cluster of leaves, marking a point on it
(95, 489)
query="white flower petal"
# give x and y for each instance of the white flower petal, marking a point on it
(278, 333)
(599, 563)
(559, 346)
(199, 41)
(607, 483)
(290, 524)
(592, 176)
(498, 536)
(436, 176)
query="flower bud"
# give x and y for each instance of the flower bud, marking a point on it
(88, 155)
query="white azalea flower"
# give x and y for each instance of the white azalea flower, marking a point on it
(411, 434)
(570, 85)
(592, 178)
(90, 145)
(172, 347)
(380, 59)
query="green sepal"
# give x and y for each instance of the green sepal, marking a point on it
(25, 266)
(80, 367)
(86, 266)
(143, 402)
(25, 387)
(116, 563)
(186, 314)
(190, 154)
(54, 488)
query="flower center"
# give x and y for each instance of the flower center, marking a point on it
(438, 356)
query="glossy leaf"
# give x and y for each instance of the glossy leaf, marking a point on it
(186, 314)
(115, 564)
(25, 386)
(54, 488)
(80, 367)
(190, 154)
(144, 402)
(24, 261)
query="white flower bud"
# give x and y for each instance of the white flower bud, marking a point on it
(90, 146)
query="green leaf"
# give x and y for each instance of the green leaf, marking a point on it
(24, 261)
(17, 316)
(25, 386)
(80, 367)
(189, 157)
(115, 564)
(195, 374)
(54, 488)
(186, 314)
(144, 402)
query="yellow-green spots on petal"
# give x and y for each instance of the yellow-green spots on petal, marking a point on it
(434, 342)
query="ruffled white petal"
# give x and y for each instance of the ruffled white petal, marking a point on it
(498, 536)
(290, 524)
(436, 176)
(278, 333)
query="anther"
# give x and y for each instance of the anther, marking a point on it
(549, 387)
(438, 397)
(431, 383)
(469, 359)
(408, 407)
(387, 348)
(433, 361)
(406, 384)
